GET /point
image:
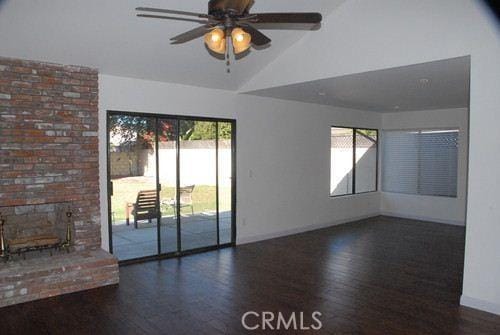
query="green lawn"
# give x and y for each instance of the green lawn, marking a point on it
(125, 190)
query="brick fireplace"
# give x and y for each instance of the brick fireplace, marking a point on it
(49, 159)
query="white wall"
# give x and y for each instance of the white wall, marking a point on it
(366, 35)
(198, 166)
(283, 160)
(437, 209)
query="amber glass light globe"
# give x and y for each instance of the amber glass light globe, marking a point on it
(241, 40)
(216, 41)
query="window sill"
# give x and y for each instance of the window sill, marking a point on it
(351, 195)
(421, 195)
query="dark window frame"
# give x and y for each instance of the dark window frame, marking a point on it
(355, 130)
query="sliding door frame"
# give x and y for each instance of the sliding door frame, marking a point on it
(177, 118)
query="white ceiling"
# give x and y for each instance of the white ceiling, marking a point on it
(108, 35)
(435, 85)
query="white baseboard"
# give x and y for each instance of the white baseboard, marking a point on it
(269, 236)
(288, 232)
(423, 218)
(482, 305)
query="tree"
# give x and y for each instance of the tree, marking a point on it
(206, 131)
(132, 131)
(139, 132)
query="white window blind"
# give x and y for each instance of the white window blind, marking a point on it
(423, 162)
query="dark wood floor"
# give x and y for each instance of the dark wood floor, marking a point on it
(377, 276)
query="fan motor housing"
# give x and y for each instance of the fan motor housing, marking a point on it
(221, 8)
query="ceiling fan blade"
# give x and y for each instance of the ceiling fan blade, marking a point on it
(258, 38)
(249, 6)
(191, 35)
(286, 26)
(303, 18)
(172, 18)
(170, 11)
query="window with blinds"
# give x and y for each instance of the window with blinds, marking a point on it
(422, 162)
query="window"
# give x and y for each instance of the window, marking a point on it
(353, 155)
(422, 162)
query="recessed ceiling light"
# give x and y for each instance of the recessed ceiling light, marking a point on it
(321, 94)
(424, 81)
(396, 107)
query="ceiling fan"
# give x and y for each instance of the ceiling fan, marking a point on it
(230, 22)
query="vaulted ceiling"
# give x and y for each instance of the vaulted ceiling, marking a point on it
(354, 60)
(107, 35)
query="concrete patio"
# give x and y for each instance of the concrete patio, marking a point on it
(197, 231)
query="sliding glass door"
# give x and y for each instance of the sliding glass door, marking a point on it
(225, 180)
(171, 184)
(133, 185)
(198, 184)
(167, 172)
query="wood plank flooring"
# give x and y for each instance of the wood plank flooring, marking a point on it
(376, 276)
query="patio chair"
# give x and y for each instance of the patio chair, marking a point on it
(145, 207)
(186, 199)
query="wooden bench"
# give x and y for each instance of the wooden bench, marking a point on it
(145, 207)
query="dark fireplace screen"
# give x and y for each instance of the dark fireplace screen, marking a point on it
(24, 229)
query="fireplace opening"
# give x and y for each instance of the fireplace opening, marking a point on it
(45, 228)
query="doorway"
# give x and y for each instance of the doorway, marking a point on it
(171, 185)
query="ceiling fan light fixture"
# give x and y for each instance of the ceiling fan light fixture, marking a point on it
(241, 40)
(229, 26)
(216, 40)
